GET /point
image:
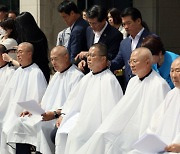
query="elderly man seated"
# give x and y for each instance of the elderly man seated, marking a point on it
(27, 83)
(35, 132)
(165, 122)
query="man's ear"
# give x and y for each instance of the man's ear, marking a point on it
(72, 13)
(104, 58)
(147, 61)
(139, 20)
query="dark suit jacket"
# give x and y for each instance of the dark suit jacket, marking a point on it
(111, 37)
(124, 55)
(77, 41)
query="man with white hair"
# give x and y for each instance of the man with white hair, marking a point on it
(165, 122)
(130, 117)
(27, 83)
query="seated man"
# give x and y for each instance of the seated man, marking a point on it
(70, 13)
(27, 83)
(90, 102)
(131, 116)
(63, 81)
(5, 70)
(166, 121)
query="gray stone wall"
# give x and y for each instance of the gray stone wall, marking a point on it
(162, 17)
(46, 15)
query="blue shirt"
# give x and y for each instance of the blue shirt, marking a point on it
(164, 69)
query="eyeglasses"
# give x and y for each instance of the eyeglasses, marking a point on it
(92, 55)
(132, 61)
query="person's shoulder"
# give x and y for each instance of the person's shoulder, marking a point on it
(81, 23)
(107, 75)
(171, 54)
(125, 41)
(113, 31)
(175, 92)
(75, 70)
(89, 30)
(35, 68)
(147, 32)
(158, 79)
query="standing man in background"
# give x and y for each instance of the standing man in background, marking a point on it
(100, 31)
(132, 22)
(72, 17)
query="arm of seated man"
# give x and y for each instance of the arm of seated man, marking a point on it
(173, 148)
(58, 122)
(50, 115)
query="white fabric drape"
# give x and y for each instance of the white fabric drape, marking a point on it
(6, 73)
(129, 118)
(25, 84)
(32, 130)
(96, 95)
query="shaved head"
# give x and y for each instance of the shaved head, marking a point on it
(177, 60)
(60, 58)
(175, 72)
(61, 50)
(143, 53)
(141, 61)
(28, 46)
(24, 53)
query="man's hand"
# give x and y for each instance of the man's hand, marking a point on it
(25, 113)
(173, 148)
(81, 55)
(48, 116)
(6, 57)
(58, 122)
(81, 65)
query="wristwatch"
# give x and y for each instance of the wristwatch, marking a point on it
(56, 115)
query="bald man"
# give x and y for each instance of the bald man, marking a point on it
(166, 120)
(27, 82)
(35, 132)
(96, 95)
(131, 116)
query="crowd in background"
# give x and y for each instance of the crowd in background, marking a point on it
(114, 82)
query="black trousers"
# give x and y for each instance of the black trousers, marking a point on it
(23, 148)
(53, 134)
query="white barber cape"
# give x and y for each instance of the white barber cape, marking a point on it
(92, 100)
(26, 84)
(165, 122)
(129, 118)
(36, 132)
(6, 73)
